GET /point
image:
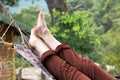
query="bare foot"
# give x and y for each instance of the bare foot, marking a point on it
(33, 39)
(43, 32)
(41, 27)
(37, 43)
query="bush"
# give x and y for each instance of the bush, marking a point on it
(72, 28)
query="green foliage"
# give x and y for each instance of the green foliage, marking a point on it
(72, 28)
(87, 4)
(28, 15)
(104, 17)
(105, 13)
(110, 49)
(10, 2)
(102, 13)
(21, 62)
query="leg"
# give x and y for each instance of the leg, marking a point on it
(33, 41)
(84, 65)
(57, 66)
(44, 33)
(60, 69)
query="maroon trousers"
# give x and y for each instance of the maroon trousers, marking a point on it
(65, 64)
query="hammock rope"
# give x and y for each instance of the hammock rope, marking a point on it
(6, 30)
(4, 10)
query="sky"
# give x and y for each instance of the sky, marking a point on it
(23, 3)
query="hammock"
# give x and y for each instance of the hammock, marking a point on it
(24, 49)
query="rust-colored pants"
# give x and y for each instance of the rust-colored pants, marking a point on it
(65, 64)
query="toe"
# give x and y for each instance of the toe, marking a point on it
(41, 19)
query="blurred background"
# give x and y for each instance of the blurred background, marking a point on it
(91, 27)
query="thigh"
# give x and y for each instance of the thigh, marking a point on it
(83, 64)
(61, 69)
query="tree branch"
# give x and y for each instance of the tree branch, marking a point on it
(76, 8)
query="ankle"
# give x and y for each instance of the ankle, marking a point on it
(51, 41)
(42, 48)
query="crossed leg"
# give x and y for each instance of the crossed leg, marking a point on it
(84, 65)
(57, 66)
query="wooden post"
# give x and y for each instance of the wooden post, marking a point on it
(7, 56)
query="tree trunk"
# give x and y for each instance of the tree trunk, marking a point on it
(59, 5)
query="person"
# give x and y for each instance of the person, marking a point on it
(63, 62)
